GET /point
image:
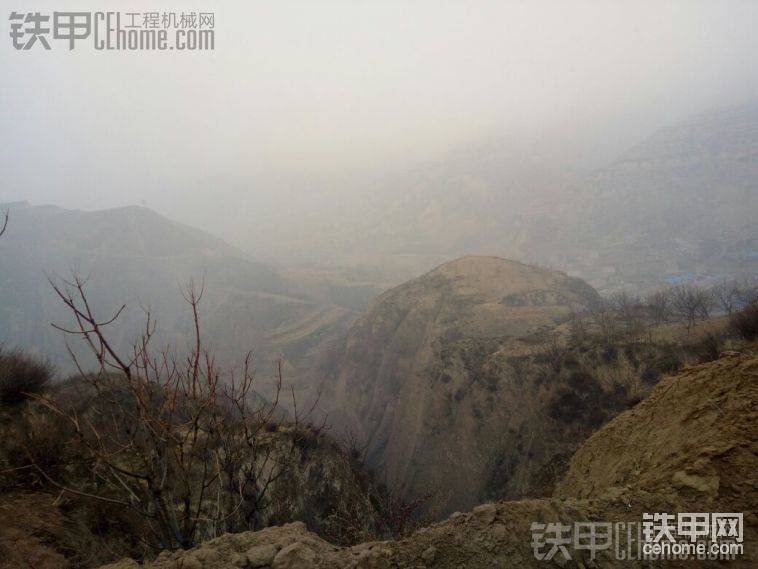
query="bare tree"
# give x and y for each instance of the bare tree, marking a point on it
(353, 448)
(628, 307)
(726, 294)
(658, 305)
(166, 436)
(554, 352)
(604, 317)
(747, 292)
(691, 302)
(578, 328)
(706, 304)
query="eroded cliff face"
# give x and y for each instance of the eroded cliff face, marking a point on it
(321, 485)
(431, 379)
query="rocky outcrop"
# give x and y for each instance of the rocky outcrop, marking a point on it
(492, 535)
(322, 485)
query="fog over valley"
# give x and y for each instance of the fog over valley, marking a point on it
(346, 284)
(304, 103)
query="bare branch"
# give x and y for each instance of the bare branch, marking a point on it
(163, 432)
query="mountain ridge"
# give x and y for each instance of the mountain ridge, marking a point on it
(132, 255)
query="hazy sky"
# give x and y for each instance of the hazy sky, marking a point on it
(298, 92)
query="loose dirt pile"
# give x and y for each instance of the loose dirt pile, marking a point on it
(694, 439)
(493, 535)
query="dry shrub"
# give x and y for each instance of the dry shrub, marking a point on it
(708, 348)
(745, 322)
(21, 376)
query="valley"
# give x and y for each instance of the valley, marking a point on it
(380, 285)
(424, 373)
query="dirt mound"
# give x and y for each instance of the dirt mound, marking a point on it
(26, 541)
(493, 535)
(695, 438)
(45, 531)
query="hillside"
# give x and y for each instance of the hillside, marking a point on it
(45, 528)
(135, 256)
(680, 204)
(714, 402)
(434, 371)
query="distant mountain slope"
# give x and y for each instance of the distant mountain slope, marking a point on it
(431, 378)
(477, 198)
(683, 201)
(680, 204)
(365, 233)
(133, 255)
(130, 231)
